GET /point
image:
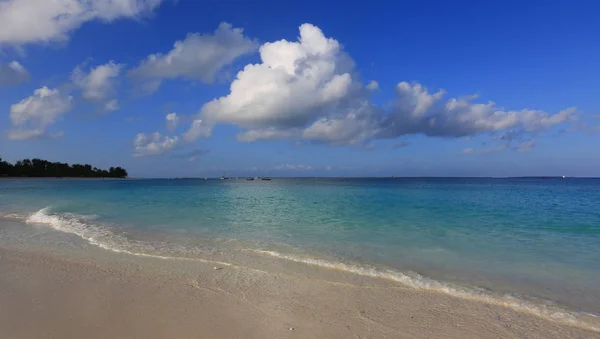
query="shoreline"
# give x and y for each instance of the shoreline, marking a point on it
(161, 297)
(50, 230)
(65, 178)
(234, 252)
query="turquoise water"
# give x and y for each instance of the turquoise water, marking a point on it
(531, 238)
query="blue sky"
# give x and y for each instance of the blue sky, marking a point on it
(303, 89)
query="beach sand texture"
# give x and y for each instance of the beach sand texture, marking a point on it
(99, 294)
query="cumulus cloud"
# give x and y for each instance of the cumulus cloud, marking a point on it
(12, 73)
(373, 85)
(264, 134)
(308, 90)
(357, 127)
(153, 144)
(29, 21)
(33, 115)
(417, 111)
(172, 121)
(197, 57)
(99, 84)
(296, 83)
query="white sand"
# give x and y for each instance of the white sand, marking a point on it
(100, 294)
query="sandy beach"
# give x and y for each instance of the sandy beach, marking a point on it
(99, 294)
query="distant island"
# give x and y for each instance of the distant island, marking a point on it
(38, 168)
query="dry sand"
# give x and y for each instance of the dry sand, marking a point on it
(53, 294)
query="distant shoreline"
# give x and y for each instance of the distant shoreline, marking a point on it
(63, 178)
(307, 177)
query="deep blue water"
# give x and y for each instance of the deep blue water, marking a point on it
(537, 237)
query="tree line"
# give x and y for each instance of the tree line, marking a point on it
(44, 168)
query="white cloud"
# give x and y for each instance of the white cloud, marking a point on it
(32, 116)
(264, 134)
(29, 21)
(99, 84)
(308, 90)
(111, 105)
(199, 129)
(373, 85)
(295, 83)
(172, 121)
(417, 111)
(12, 73)
(356, 127)
(198, 57)
(153, 144)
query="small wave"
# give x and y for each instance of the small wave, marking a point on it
(100, 236)
(105, 238)
(417, 281)
(13, 216)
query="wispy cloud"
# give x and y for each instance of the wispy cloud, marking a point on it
(197, 57)
(191, 155)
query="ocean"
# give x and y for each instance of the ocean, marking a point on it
(526, 243)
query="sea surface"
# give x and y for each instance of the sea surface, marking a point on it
(533, 240)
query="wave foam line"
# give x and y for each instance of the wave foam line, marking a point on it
(422, 283)
(105, 239)
(13, 216)
(98, 236)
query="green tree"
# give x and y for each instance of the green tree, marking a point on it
(5, 168)
(43, 168)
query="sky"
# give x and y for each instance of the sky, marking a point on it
(188, 88)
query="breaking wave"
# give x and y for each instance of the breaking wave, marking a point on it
(419, 282)
(105, 238)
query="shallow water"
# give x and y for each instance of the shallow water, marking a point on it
(531, 238)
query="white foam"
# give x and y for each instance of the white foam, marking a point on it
(423, 283)
(99, 236)
(108, 240)
(13, 216)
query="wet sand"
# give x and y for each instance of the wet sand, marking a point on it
(100, 294)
